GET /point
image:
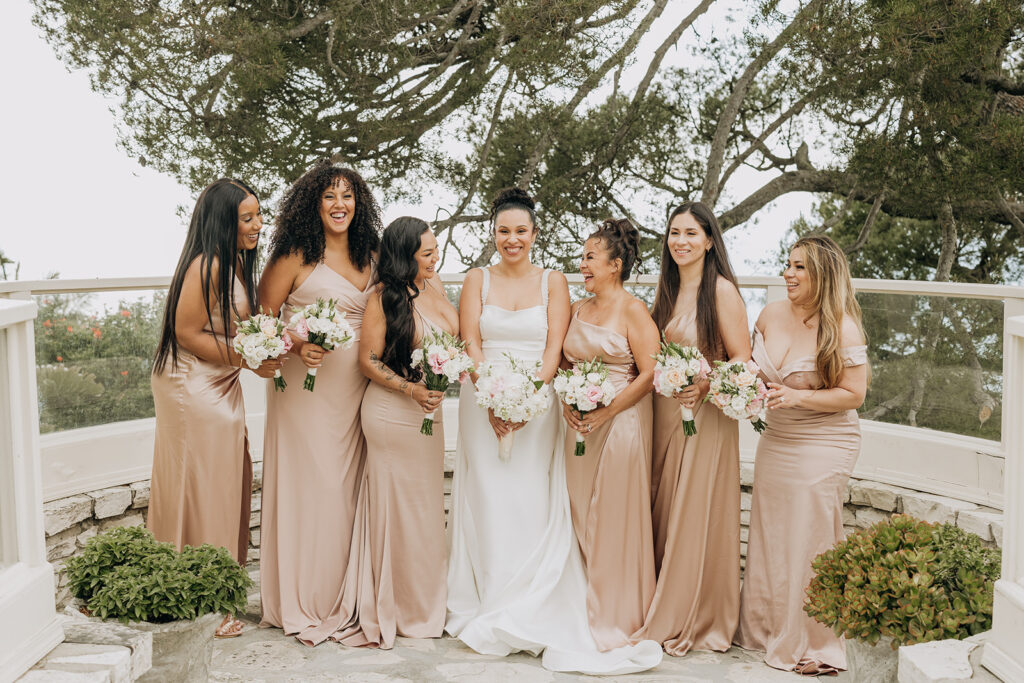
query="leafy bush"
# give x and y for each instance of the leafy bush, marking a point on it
(127, 574)
(906, 579)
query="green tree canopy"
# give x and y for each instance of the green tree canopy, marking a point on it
(913, 107)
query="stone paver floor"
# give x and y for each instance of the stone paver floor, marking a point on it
(266, 655)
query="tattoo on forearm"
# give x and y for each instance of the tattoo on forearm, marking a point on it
(389, 374)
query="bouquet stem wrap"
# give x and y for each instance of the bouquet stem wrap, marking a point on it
(689, 426)
(279, 383)
(505, 446)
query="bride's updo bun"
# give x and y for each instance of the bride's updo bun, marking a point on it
(513, 198)
(622, 241)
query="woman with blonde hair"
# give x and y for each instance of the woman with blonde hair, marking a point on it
(812, 354)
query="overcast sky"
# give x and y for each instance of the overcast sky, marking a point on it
(76, 204)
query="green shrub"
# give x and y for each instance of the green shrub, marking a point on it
(127, 574)
(905, 579)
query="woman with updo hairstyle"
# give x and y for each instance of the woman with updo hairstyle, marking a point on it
(202, 474)
(399, 536)
(610, 485)
(515, 579)
(313, 447)
(811, 351)
(695, 479)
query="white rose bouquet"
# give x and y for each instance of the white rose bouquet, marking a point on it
(584, 387)
(443, 359)
(739, 392)
(259, 338)
(514, 393)
(676, 368)
(321, 323)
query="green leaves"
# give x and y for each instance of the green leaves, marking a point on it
(905, 579)
(127, 574)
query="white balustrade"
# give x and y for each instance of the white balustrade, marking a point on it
(28, 620)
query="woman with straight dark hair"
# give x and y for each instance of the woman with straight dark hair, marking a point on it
(400, 524)
(812, 355)
(695, 480)
(610, 485)
(202, 474)
(313, 448)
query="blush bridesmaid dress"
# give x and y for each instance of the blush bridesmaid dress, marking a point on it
(696, 492)
(400, 587)
(313, 458)
(804, 459)
(610, 495)
(202, 474)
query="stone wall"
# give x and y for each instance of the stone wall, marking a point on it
(72, 521)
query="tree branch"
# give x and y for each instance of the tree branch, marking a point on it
(869, 222)
(716, 157)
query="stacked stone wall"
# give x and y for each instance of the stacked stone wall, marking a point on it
(72, 521)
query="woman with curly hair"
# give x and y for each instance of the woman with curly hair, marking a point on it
(314, 451)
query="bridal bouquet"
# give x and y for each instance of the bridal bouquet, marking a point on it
(443, 359)
(321, 323)
(739, 392)
(259, 338)
(678, 367)
(583, 388)
(514, 393)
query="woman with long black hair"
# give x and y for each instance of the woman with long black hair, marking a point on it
(400, 524)
(202, 473)
(695, 480)
(313, 449)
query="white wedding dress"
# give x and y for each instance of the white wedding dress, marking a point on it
(515, 577)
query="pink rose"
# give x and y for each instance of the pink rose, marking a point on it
(594, 394)
(287, 339)
(754, 406)
(302, 329)
(463, 377)
(705, 367)
(435, 364)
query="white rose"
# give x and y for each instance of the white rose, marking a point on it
(745, 379)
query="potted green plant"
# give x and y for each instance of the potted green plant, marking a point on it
(128, 575)
(899, 582)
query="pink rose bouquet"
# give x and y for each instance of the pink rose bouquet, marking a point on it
(739, 392)
(259, 338)
(676, 368)
(584, 387)
(443, 359)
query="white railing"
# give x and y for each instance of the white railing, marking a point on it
(962, 467)
(1003, 654)
(28, 618)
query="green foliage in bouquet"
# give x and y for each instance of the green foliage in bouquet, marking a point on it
(127, 574)
(906, 579)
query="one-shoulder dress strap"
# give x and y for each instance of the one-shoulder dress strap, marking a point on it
(485, 285)
(544, 287)
(854, 355)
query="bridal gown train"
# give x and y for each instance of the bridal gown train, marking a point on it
(515, 577)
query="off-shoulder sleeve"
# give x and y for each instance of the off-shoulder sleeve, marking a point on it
(855, 355)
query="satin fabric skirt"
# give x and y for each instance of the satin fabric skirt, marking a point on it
(202, 474)
(696, 514)
(515, 580)
(804, 461)
(313, 459)
(610, 496)
(399, 525)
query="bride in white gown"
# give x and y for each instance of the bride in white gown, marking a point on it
(515, 577)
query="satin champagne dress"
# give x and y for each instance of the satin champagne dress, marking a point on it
(610, 495)
(400, 586)
(515, 577)
(202, 474)
(696, 492)
(313, 458)
(804, 459)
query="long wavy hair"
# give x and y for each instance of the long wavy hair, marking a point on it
(396, 274)
(212, 237)
(832, 298)
(298, 227)
(716, 264)
(622, 241)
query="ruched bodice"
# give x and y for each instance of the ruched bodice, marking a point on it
(585, 341)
